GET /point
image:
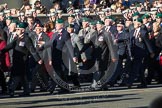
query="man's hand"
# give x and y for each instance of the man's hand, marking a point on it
(115, 40)
(41, 43)
(160, 54)
(40, 62)
(84, 60)
(50, 62)
(75, 59)
(114, 60)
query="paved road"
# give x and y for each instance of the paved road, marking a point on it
(124, 98)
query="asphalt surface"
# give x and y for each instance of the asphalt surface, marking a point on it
(114, 98)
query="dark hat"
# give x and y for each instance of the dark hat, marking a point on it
(120, 21)
(70, 26)
(9, 18)
(136, 14)
(100, 22)
(159, 15)
(72, 15)
(59, 21)
(22, 25)
(138, 20)
(145, 16)
(38, 25)
(85, 19)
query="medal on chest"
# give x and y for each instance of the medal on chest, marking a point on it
(22, 44)
(60, 36)
(139, 37)
(100, 39)
(88, 37)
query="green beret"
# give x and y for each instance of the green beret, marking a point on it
(72, 15)
(159, 15)
(100, 22)
(85, 19)
(70, 26)
(136, 14)
(145, 16)
(139, 20)
(9, 18)
(14, 21)
(22, 25)
(59, 21)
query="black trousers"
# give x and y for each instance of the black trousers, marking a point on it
(2, 81)
(154, 67)
(137, 71)
(15, 80)
(74, 78)
(121, 69)
(40, 76)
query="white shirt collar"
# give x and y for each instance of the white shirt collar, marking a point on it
(120, 32)
(147, 24)
(71, 34)
(137, 32)
(39, 35)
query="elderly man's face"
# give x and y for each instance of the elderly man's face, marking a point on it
(30, 21)
(108, 22)
(99, 27)
(85, 24)
(59, 26)
(136, 24)
(128, 23)
(70, 19)
(12, 27)
(145, 20)
(38, 30)
(19, 31)
(159, 20)
(120, 27)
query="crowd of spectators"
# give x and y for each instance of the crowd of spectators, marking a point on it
(117, 6)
